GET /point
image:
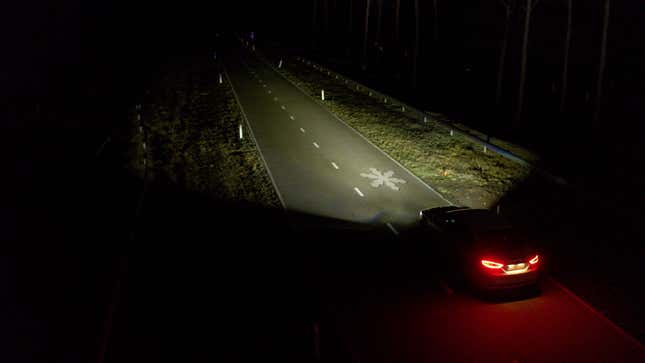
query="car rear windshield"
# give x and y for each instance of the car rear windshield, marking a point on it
(502, 237)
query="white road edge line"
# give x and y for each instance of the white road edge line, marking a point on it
(600, 315)
(255, 142)
(360, 135)
(358, 191)
(316, 145)
(334, 165)
(396, 233)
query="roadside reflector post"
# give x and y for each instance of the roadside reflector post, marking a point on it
(141, 129)
(403, 108)
(425, 119)
(451, 133)
(484, 148)
(220, 78)
(241, 133)
(143, 144)
(322, 95)
(370, 93)
(498, 209)
(384, 100)
(280, 64)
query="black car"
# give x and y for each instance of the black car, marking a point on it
(482, 247)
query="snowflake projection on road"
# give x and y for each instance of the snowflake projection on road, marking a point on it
(386, 178)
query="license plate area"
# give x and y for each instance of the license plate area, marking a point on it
(516, 268)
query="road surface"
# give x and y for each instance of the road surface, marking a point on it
(323, 168)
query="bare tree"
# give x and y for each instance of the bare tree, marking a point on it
(565, 61)
(325, 17)
(314, 25)
(415, 56)
(349, 28)
(508, 6)
(601, 66)
(397, 10)
(350, 18)
(525, 42)
(379, 13)
(367, 18)
(435, 32)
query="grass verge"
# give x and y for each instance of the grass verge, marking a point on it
(190, 128)
(458, 168)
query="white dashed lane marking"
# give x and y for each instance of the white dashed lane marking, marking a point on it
(358, 191)
(316, 145)
(334, 165)
(302, 130)
(291, 117)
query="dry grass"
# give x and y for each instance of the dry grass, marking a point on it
(454, 165)
(191, 124)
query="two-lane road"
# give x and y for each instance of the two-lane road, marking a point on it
(322, 167)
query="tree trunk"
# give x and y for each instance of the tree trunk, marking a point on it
(314, 25)
(565, 62)
(520, 101)
(351, 18)
(502, 56)
(415, 56)
(435, 32)
(349, 29)
(325, 17)
(601, 67)
(397, 9)
(367, 18)
(379, 13)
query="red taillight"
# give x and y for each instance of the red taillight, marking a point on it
(492, 264)
(534, 260)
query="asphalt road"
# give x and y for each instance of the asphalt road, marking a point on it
(323, 168)
(320, 166)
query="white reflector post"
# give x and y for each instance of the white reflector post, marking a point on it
(241, 133)
(220, 78)
(322, 95)
(280, 64)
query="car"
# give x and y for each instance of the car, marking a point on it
(482, 248)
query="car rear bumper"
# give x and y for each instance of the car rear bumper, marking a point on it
(495, 282)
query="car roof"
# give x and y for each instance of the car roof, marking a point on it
(478, 220)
